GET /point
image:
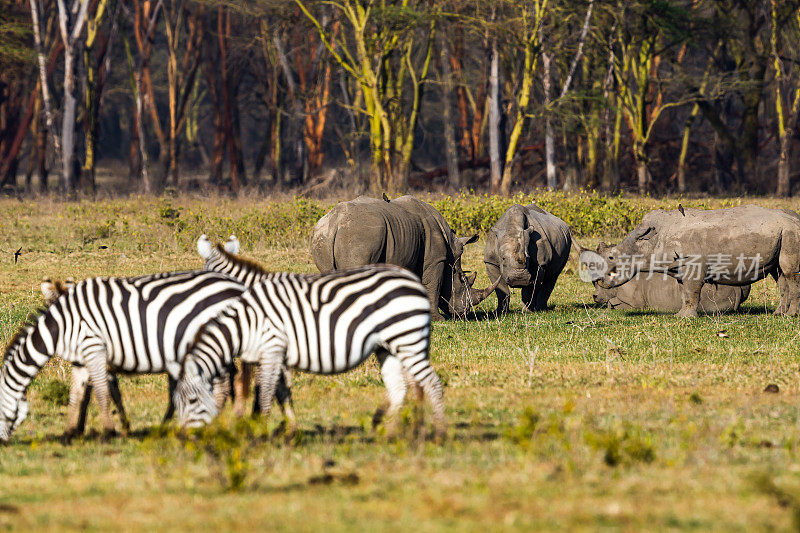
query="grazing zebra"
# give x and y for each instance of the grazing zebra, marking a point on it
(132, 325)
(325, 324)
(224, 258)
(79, 388)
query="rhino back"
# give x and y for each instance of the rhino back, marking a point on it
(440, 239)
(367, 231)
(747, 230)
(555, 230)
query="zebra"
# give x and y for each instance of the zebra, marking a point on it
(320, 323)
(132, 325)
(79, 387)
(224, 258)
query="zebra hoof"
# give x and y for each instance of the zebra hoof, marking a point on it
(108, 435)
(377, 418)
(66, 437)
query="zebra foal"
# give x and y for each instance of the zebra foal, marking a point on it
(325, 324)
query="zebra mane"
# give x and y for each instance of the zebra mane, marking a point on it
(244, 263)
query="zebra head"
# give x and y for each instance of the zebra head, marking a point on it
(195, 405)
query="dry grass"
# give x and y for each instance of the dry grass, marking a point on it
(578, 418)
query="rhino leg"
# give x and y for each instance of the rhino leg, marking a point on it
(529, 298)
(539, 294)
(783, 290)
(789, 262)
(503, 292)
(432, 280)
(690, 298)
(789, 286)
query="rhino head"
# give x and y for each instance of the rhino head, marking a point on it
(627, 258)
(592, 269)
(602, 296)
(458, 284)
(522, 252)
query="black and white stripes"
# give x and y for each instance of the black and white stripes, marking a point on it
(324, 324)
(131, 325)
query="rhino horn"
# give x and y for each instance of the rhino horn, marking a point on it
(480, 295)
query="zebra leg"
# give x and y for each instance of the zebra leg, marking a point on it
(98, 374)
(116, 397)
(432, 388)
(269, 374)
(418, 368)
(394, 380)
(241, 387)
(222, 390)
(171, 384)
(283, 394)
(79, 394)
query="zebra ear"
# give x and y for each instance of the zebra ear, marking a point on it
(204, 247)
(49, 291)
(174, 369)
(232, 245)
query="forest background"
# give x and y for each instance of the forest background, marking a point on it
(649, 96)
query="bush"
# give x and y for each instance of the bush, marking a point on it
(55, 392)
(623, 445)
(224, 448)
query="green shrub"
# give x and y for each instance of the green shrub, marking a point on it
(224, 448)
(55, 392)
(623, 445)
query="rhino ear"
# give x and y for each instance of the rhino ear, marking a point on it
(471, 278)
(642, 232)
(469, 240)
(544, 252)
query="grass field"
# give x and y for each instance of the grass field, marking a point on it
(578, 417)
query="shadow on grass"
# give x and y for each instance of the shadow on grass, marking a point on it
(330, 434)
(746, 310)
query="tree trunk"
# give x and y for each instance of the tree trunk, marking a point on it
(297, 156)
(68, 124)
(642, 172)
(44, 70)
(643, 175)
(496, 164)
(451, 148)
(549, 141)
(687, 128)
(784, 185)
(41, 154)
